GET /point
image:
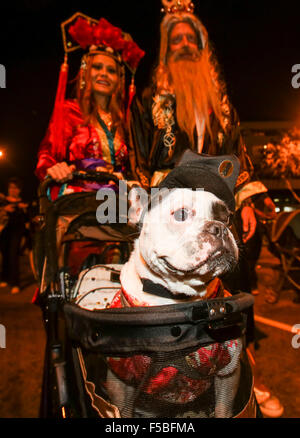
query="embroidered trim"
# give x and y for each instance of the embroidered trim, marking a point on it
(163, 118)
(243, 177)
(110, 135)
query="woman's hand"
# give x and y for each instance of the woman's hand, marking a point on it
(102, 169)
(109, 169)
(118, 175)
(61, 172)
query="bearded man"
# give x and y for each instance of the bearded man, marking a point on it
(187, 107)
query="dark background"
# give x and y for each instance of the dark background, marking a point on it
(256, 42)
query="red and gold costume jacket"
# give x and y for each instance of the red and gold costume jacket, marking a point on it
(86, 146)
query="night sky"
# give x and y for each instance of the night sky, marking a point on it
(256, 42)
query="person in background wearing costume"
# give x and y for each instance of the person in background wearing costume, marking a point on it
(88, 132)
(187, 107)
(13, 213)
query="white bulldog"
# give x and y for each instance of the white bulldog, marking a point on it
(185, 242)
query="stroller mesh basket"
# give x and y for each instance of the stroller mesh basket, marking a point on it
(182, 360)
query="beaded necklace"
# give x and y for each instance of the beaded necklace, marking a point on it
(110, 135)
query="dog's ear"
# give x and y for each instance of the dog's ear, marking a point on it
(138, 200)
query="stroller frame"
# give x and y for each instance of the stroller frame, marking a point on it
(282, 243)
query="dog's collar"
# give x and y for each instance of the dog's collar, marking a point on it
(159, 290)
(214, 289)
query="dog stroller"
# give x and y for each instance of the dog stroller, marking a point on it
(127, 362)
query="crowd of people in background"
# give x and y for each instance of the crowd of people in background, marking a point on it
(14, 237)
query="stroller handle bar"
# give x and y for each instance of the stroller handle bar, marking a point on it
(50, 211)
(79, 175)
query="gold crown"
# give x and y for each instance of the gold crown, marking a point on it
(173, 6)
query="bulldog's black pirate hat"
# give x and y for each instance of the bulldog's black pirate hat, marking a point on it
(215, 174)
